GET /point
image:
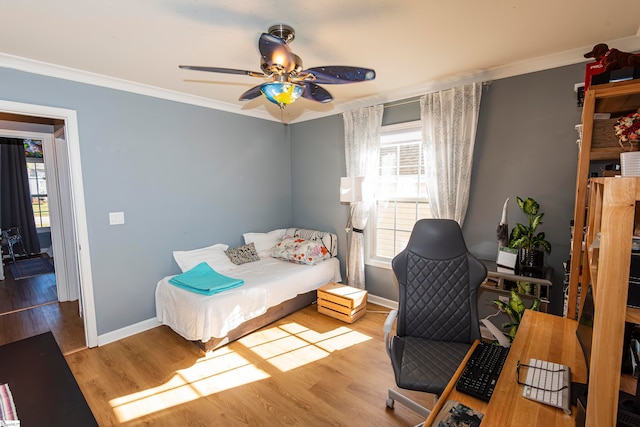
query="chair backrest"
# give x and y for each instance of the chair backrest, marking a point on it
(438, 281)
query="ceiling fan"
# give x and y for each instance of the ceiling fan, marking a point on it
(286, 80)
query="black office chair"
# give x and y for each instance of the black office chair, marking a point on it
(437, 316)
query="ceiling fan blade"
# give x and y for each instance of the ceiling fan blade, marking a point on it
(222, 70)
(276, 52)
(316, 93)
(254, 92)
(338, 74)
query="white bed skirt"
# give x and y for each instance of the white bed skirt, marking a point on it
(268, 282)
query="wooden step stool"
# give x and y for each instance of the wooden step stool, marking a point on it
(342, 302)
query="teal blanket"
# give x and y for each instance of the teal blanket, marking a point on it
(203, 279)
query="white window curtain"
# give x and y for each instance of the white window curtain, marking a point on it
(449, 122)
(362, 147)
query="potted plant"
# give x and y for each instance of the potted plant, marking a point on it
(531, 244)
(515, 310)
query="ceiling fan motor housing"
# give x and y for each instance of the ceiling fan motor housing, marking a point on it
(283, 31)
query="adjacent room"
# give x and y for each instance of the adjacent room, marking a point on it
(222, 213)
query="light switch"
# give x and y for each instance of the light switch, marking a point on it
(116, 218)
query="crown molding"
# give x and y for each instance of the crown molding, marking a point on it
(72, 74)
(560, 59)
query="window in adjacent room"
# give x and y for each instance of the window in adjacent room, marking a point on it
(37, 183)
(401, 196)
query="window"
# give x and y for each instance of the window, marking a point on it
(38, 187)
(401, 196)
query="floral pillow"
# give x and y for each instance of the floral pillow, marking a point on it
(243, 254)
(301, 251)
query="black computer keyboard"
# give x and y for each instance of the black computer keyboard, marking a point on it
(482, 371)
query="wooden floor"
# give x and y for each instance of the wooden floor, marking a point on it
(29, 307)
(304, 370)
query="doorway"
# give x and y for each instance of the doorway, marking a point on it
(64, 122)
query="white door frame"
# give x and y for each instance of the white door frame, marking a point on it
(62, 285)
(77, 196)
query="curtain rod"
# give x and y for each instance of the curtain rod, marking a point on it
(414, 100)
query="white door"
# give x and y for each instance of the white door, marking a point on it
(63, 238)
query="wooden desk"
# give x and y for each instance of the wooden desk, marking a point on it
(541, 336)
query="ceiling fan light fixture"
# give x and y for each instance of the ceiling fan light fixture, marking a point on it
(288, 80)
(281, 93)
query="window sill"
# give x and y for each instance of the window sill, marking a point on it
(379, 262)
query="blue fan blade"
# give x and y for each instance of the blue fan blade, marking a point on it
(316, 93)
(338, 74)
(254, 92)
(222, 70)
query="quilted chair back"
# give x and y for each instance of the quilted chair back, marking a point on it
(438, 281)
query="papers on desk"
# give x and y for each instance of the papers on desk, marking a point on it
(455, 414)
(505, 270)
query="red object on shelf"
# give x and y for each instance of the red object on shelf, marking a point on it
(592, 69)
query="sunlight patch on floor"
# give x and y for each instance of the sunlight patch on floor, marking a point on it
(291, 345)
(219, 371)
(285, 347)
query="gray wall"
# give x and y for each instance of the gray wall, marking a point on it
(525, 147)
(317, 163)
(184, 176)
(187, 176)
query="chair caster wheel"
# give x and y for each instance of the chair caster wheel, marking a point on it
(390, 402)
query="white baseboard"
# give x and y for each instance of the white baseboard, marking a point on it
(127, 331)
(383, 301)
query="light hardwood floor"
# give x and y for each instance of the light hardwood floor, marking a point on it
(306, 369)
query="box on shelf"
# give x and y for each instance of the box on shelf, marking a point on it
(592, 69)
(604, 135)
(595, 74)
(342, 302)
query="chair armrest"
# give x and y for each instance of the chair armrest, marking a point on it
(388, 325)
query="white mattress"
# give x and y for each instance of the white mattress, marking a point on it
(268, 282)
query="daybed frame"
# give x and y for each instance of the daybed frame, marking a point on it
(271, 315)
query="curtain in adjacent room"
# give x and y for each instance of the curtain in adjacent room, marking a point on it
(449, 122)
(15, 196)
(362, 148)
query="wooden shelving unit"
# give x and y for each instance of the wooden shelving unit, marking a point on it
(612, 211)
(614, 98)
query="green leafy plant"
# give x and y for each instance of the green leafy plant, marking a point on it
(515, 309)
(526, 236)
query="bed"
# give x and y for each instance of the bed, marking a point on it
(282, 278)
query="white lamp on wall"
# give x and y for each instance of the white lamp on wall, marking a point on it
(350, 192)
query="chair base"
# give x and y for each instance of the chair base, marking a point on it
(404, 400)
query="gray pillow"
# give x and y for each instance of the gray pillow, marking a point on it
(243, 254)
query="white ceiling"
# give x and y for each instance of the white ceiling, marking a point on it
(415, 46)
